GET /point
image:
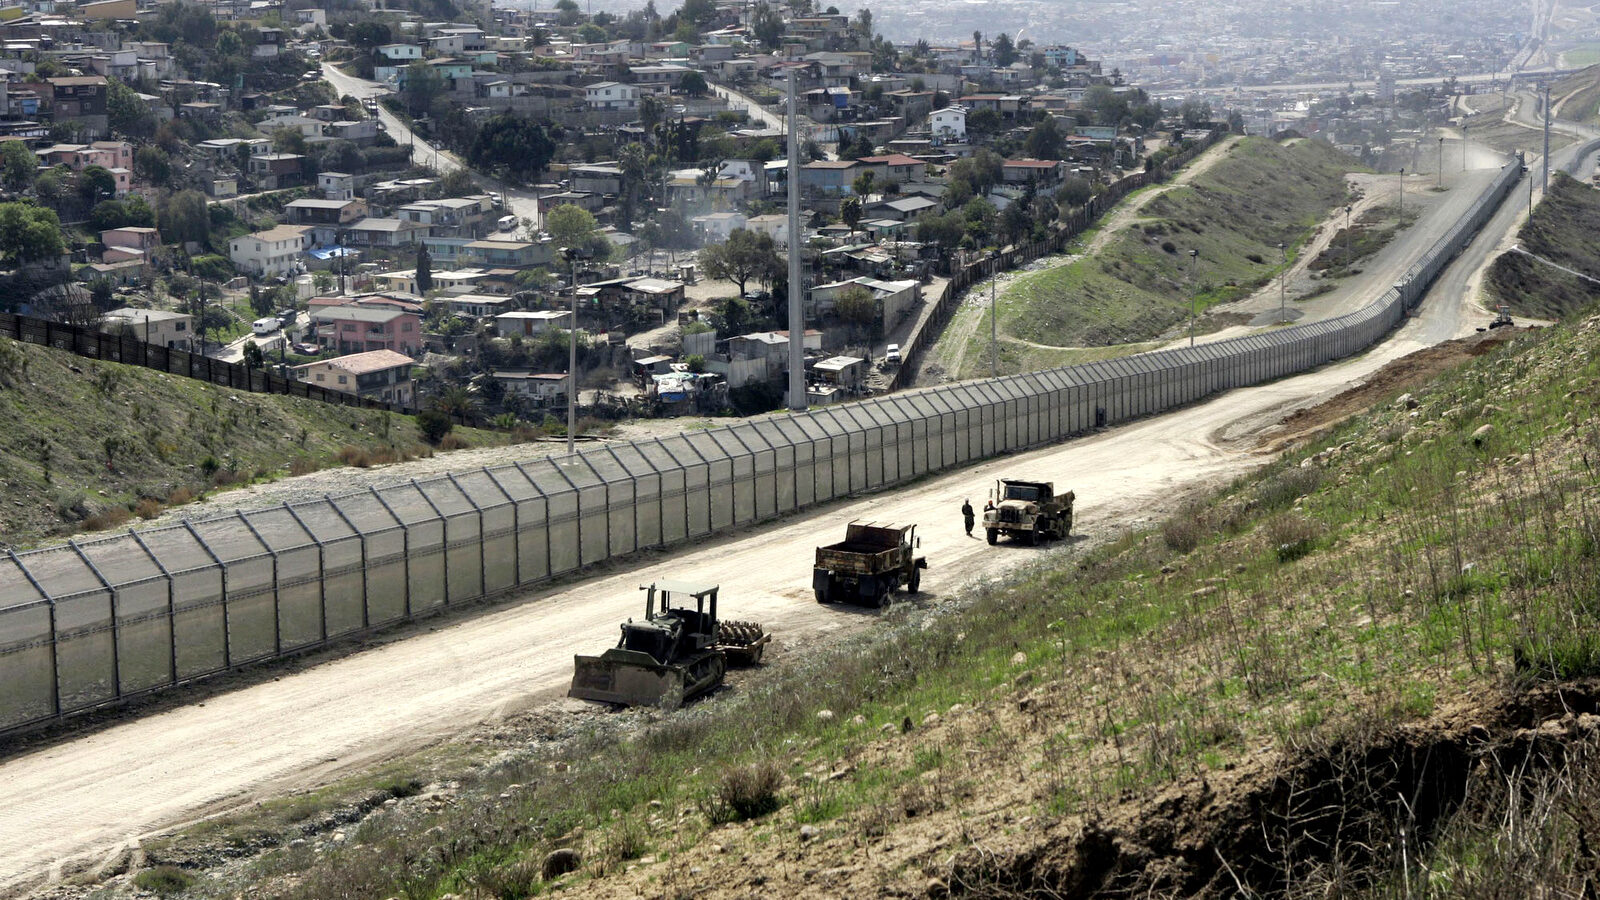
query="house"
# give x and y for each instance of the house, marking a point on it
(508, 254)
(326, 217)
(1038, 172)
(374, 374)
(274, 171)
(830, 177)
(895, 298)
(658, 80)
(269, 43)
(358, 328)
(844, 371)
(336, 185)
(80, 99)
(478, 306)
(664, 297)
(400, 53)
(596, 179)
(897, 168)
(542, 388)
(275, 251)
(611, 95)
(383, 232)
(903, 209)
(175, 331)
(527, 323)
(142, 240)
(948, 124)
(717, 226)
(360, 133)
(774, 224)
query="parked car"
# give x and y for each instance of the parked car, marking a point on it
(891, 354)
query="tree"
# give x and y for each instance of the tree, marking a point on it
(516, 146)
(134, 212)
(573, 226)
(1044, 141)
(368, 36)
(29, 233)
(434, 425)
(984, 121)
(743, 256)
(423, 84)
(850, 211)
(152, 164)
(1108, 106)
(856, 307)
(18, 165)
(979, 215)
(862, 186)
(767, 25)
(96, 183)
(1194, 114)
(944, 231)
(289, 140)
(693, 84)
(424, 271)
(126, 113)
(253, 358)
(185, 218)
(1005, 53)
(101, 294)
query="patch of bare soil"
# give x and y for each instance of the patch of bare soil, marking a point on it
(1406, 373)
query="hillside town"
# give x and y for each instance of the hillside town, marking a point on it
(411, 205)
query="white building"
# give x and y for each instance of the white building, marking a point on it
(527, 323)
(949, 124)
(271, 252)
(611, 95)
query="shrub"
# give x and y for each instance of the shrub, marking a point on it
(453, 442)
(110, 517)
(434, 425)
(1284, 488)
(164, 880)
(351, 455)
(1183, 531)
(148, 508)
(1293, 536)
(745, 792)
(180, 496)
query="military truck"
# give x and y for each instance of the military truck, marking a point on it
(675, 654)
(873, 559)
(1029, 511)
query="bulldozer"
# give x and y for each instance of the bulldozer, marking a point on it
(1027, 510)
(675, 654)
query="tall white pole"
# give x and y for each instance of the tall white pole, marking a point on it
(572, 358)
(994, 320)
(1545, 188)
(797, 328)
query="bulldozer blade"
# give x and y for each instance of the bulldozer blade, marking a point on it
(626, 682)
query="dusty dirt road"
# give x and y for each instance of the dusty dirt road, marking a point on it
(87, 796)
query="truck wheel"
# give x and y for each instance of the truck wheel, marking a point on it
(994, 535)
(916, 581)
(1030, 537)
(822, 596)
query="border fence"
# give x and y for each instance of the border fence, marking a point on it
(93, 623)
(127, 348)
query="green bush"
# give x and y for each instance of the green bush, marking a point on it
(434, 425)
(746, 792)
(163, 880)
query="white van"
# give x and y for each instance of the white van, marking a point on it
(266, 326)
(508, 223)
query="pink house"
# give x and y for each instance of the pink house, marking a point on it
(129, 243)
(115, 157)
(357, 329)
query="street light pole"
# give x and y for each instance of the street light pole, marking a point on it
(1402, 189)
(1441, 162)
(1463, 146)
(1194, 295)
(571, 253)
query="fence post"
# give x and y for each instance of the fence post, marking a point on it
(483, 560)
(405, 543)
(111, 608)
(277, 602)
(55, 662)
(322, 568)
(222, 578)
(444, 538)
(366, 602)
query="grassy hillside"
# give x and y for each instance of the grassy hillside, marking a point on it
(92, 445)
(1140, 285)
(1565, 229)
(1368, 670)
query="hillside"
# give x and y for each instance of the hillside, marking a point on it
(1326, 675)
(1139, 284)
(92, 445)
(1564, 229)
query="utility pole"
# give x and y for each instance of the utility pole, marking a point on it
(1463, 146)
(1194, 294)
(1402, 190)
(994, 320)
(571, 253)
(1545, 186)
(1441, 162)
(1283, 281)
(797, 332)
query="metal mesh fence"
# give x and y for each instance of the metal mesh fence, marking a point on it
(93, 623)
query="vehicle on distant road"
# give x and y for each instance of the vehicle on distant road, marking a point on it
(265, 326)
(891, 355)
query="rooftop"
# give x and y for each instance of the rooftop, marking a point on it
(365, 363)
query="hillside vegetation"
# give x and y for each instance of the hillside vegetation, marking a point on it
(1140, 285)
(91, 445)
(1369, 670)
(1565, 229)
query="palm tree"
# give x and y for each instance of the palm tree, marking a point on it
(456, 402)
